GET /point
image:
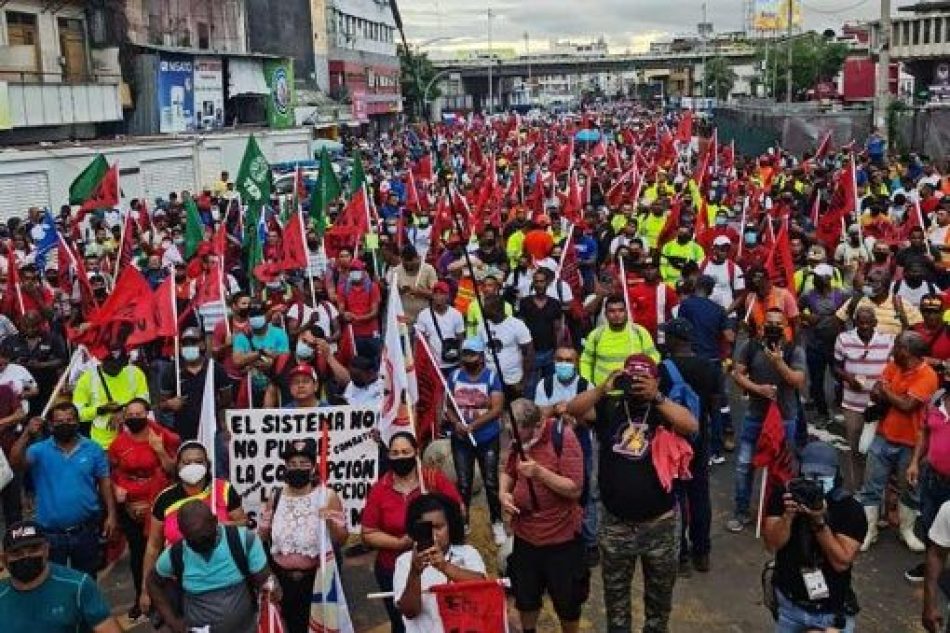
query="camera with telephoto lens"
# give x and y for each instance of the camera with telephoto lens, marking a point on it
(806, 492)
(624, 383)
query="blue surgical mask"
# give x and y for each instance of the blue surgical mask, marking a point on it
(751, 239)
(564, 371)
(303, 351)
(868, 291)
(190, 353)
(257, 322)
(827, 484)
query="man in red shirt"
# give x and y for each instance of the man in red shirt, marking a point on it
(652, 301)
(936, 333)
(359, 298)
(35, 295)
(548, 553)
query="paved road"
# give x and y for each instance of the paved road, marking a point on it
(727, 600)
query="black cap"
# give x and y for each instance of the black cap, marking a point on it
(23, 534)
(301, 448)
(679, 329)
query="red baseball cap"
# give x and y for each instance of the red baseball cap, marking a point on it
(442, 286)
(641, 364)
(303, 369)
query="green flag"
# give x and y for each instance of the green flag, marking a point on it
(253, 246)
(254, 177)
(326, 191)
(194, 228)
(86, 182)
(357, 176)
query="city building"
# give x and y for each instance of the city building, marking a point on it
(342, 48)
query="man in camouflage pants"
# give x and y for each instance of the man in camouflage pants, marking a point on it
(638, 520)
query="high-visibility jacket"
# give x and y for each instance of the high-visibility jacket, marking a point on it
(605, 350)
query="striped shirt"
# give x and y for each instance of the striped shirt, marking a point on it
(866, 362)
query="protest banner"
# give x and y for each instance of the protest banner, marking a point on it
(259, 436)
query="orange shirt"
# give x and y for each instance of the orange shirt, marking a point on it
(777, 298)
(920, 384)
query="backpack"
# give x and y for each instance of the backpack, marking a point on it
(681, 392)
(557, 441)
(238, 554)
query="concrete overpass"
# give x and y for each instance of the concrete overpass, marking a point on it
(575, 64)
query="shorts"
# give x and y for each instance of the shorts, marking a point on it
(560, 569)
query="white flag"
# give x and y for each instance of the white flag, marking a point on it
(328, 609)
(393, 371)
(207, 425)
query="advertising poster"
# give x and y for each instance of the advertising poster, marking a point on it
(176, 94)
(280, 103)
(209, 93)
(772, 15)
(258, 438)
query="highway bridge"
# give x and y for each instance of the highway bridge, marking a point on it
(576, 64)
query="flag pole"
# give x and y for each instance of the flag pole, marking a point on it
(306, 250)
(445, 386)
(171, 287)
(324, 529)
(62, 381)
(224, 303)
(626, 295)
(758, 523)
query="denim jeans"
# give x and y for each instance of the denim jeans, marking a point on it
(751, 427)
(384, 579)
(720, 418)
(543, 367)
(487, 454)
(78, 549)
(883, 459)
(794, 619)
(819, 362)
(934, 491)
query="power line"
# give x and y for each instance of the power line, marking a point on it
(836, 11)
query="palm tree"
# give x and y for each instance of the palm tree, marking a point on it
(720, 77)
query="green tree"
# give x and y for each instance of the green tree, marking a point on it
(720, 78)
(415, 73)
(815, 58)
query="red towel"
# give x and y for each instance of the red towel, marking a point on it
(671, 457)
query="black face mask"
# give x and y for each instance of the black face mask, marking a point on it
(65, 433)
(27, 569)
(136, 424)
(774, 333)
(297, 477)
(179, 277)
(471, 365)
(403, 465)
(242, 312)
(880, 257)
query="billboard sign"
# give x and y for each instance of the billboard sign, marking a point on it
(772, 15)
(280, 103)
(209, 93)
(176, 94)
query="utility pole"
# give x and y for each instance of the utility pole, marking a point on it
(788, 60)
(702, 34)
(527, 56)
(882, 88)
(491, 63)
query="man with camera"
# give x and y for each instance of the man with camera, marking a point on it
(815, 529)
(443, 328)
(637, 519)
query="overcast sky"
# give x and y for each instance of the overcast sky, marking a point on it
(625, 23)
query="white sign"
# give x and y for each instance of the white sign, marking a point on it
(209, 93)
(259, 437)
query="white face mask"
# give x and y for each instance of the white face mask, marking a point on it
(192, 473)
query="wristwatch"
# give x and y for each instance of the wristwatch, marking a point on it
(659, 399)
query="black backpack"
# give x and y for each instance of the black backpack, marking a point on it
(238, 554)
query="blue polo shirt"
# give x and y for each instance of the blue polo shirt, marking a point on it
(68, 601)
(67, 486)
(709, 320)
(219, 570)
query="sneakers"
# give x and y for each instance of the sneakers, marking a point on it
(716, 460)
(498, 533)
(701, 563)
(916, 574)
(738, 522)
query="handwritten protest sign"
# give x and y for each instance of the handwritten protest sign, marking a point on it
(259, 437)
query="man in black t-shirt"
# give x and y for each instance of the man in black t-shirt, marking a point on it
(542, 315)
(815, 543)
(701, 375)
(637, 520)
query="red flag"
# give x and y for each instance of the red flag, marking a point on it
(564, 159)
(573, 204)
(346, 347)
(672, 224)
(350, 227)
(475, 155)
(164, 307)
(780, 264)
(599, 150)
(105, 195)
(702, 217)
(477, 605)
(208, 287)
(773, 452)
(667, 152)
(268, 618)
(127, 247)
(129, 307)
(824, 147)
(684, 130)
(431, 391)
(12, 295)
(423, 168)
(293, 247)
(828, 230)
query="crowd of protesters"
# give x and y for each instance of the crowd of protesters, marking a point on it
(615, 321)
